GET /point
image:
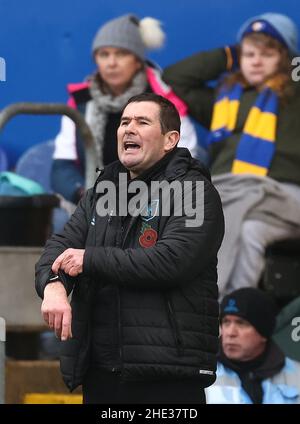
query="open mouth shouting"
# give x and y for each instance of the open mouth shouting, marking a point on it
(131, 146)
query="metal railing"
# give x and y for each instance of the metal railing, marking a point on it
(26, 108)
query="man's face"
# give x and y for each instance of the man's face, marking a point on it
(240, 340)
(117, 68)
(140, 140)
(258, 63)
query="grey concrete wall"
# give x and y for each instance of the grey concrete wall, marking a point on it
(19, 303)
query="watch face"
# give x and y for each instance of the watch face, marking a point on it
(56, 278)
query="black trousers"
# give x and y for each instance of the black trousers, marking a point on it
(101, 387)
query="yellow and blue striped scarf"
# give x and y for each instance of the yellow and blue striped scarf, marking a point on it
(256, 147)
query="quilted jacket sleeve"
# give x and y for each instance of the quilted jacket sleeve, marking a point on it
(189, 78)
(73, 236)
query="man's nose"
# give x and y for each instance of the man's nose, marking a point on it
(231, 330)
(130, 127)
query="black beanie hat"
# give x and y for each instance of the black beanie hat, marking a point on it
(254, 306)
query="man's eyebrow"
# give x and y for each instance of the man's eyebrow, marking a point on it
(137, 118)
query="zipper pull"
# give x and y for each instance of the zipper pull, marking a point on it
(110, 216)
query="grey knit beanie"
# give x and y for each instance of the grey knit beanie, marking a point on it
(130, 33)
(276, 25)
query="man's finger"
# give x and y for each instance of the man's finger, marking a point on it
(46, 317)
(66, 325)
(57, 263)
(57, 322)
(73, 272)
(57, 333)
(51, 318)
(66, 266)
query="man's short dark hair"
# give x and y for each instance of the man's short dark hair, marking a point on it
(168, 114)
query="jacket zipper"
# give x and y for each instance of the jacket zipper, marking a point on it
(119, 369)
(174, 325)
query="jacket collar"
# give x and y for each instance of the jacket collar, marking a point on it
(171, 167)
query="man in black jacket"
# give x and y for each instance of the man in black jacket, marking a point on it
(142, 326)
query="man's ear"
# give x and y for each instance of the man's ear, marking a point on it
(171, 139)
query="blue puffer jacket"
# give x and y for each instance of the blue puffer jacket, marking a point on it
(284, 387)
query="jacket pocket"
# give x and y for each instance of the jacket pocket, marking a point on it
(174, 326)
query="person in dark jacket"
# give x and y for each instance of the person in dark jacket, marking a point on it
(251, 367)
(253, 117)
(142, 326)
(119, 51)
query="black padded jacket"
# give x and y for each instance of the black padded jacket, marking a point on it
(141, 308)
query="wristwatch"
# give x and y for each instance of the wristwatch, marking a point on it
(54, 278)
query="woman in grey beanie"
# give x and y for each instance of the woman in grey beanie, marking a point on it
(122, 71)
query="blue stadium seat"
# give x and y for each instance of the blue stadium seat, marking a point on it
(3, 161)
(36, 164)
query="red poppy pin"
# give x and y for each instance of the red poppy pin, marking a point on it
(148, 238)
